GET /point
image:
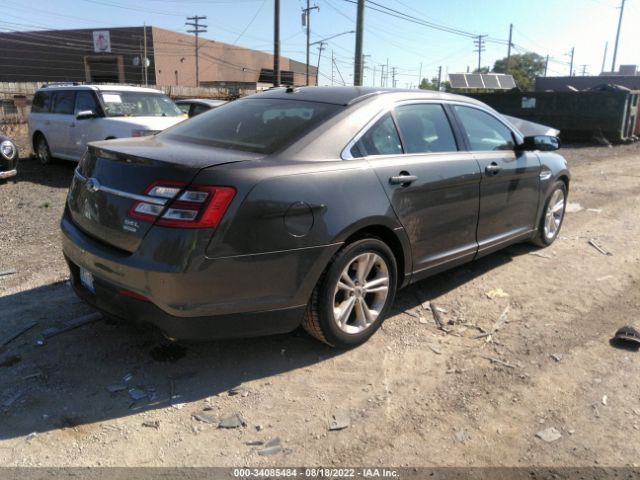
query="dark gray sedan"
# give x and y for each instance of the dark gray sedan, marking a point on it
(303, 206)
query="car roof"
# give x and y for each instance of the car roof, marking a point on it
(109, 88)
(208, 101)
(351, 95)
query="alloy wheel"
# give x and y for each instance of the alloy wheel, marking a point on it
(554, 214)
(361, 293)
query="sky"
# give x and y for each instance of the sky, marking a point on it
(547, 27)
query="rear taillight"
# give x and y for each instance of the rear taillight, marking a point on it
(196, 206)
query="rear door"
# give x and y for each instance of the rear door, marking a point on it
(432, 185)
(510, 180)
(62, 120)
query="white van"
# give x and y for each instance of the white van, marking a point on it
(64, 118)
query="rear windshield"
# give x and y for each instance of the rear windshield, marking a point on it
(138, 104)
(254, 125)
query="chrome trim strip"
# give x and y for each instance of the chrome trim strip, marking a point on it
(545, 174)
(120, 193)
(346, 151)
(8, 174)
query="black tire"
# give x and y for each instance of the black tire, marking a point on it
(41, 150)
(319, 319)
(545, 236)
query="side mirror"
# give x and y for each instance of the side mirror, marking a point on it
(544, 143)
(84, 114)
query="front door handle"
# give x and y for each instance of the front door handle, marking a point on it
(402, 179)
(493, 168)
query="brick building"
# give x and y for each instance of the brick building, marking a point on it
(116, 55)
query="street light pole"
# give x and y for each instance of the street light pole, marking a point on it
(615, 48)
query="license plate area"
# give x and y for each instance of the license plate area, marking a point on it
(86, 280)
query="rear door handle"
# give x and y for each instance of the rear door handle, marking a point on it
(402, 179)
(492, 168)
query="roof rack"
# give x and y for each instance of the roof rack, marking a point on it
(60, 84)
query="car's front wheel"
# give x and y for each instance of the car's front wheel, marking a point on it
(552, 216)
(41, 147)
(354, 295)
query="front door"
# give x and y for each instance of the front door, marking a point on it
(510, 180)
(432, 186)
(84, 129)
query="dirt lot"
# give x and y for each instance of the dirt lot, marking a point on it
(414, 394)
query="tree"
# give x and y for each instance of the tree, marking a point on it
(433, 85)
(429, 85)
(524, 68)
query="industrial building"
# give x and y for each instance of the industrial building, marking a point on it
(118, 55)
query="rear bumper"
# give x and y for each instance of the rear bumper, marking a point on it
(201, 298)
(107, 300)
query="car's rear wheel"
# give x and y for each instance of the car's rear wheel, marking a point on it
(552, 216)
(41, 147)
(354, 295)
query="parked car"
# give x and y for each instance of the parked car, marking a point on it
(303, 205)
(64, 118)
(9, 156)
(195, 106)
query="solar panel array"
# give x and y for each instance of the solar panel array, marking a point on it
(493, 81)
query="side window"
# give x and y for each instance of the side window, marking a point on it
(484, 132)
(184, 107)
(64, 102)
(197, 109)
(425, 128)
(381, 139)
(85, 101)
(41, 102)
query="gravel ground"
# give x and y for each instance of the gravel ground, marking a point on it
(414, 395)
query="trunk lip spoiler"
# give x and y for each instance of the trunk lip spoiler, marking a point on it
(92, 184)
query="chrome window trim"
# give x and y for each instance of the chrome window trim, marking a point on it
(346, 151)
(120, 193)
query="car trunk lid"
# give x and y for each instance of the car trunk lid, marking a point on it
(115, 176)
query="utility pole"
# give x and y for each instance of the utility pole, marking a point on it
(584, 69)
(509, 48)
(373, 81)
(339, 72)
(439, 77)
(321, 47)
(306, 22)
(382, 75)
(333, 60)
(420, 75)
(364, 65)
(386, 73)
(276, 43)
(615, 48)
(604, 58)
(393, 77)
(546, 65)
(479, 43)
(357, 67)
(573, 51)
(146, 78)
(198, 28)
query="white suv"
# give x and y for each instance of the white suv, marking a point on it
(64, 118)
